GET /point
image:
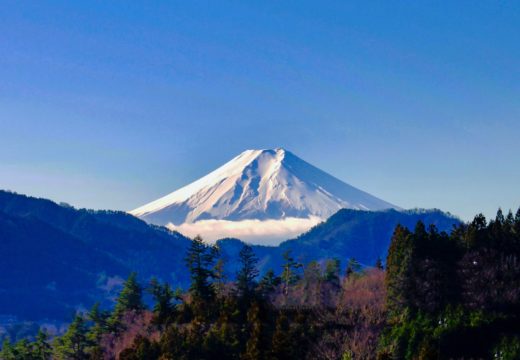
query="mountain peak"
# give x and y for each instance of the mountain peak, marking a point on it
(258, 186)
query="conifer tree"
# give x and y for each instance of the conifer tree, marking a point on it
(332, 269)
(289, 273)
(247, 274)
(74, 343)
(163, 296)
(129, 299)
(282, 346)
(219, 284)
(99, 319)
(42, 350)
(399, 270)
(7, 352)
(353, 267)
(379, 264)
(200, 261)
(268, 283)
(254, 347)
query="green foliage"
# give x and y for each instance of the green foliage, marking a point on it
(129, 299)
(447, 296)
(353, 267)
(332, 270)
(142, 349)
(454, 296)
(164, 298)
(200, 260)
(74, 343)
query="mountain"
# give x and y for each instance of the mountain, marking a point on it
(363, 235)
(262, 196)
(56, 259)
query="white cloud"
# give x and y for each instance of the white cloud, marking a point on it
(261, 232)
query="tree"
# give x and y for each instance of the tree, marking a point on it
(219, 284)
(332, 269)
(200, 260)
(247, 274)
(399, 270)
(7, 352)
(42, 350)
(254, 341)
(379, 264)
(353, 267)
(74, 343)
(163, 296)
(268, 283)
(129, 299)
(289, 273)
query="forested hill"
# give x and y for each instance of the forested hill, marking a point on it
(363, 235)
(441, 296)
(58, 259)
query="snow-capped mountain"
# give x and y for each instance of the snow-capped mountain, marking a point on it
(260, 196)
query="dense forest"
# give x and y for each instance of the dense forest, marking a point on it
(438, 295)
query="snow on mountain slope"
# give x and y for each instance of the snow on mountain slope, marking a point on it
(246, 196)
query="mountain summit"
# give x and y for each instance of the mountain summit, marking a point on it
(255, 191)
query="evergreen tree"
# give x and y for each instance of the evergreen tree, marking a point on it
(23, 349)
(247, 274)
(163, 296)
(219, 284)
(282, 347)
(353, 267)
(254, 346)
(379, 264)
(99, 319)
(332, 269)
(399, 270)
(42, 350)
(7, 352)
(74, 343)
(268, 283)
(200, 260)
(289, 273)
(129, 299)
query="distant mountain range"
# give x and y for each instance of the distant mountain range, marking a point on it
(261, 196)
(57, 259)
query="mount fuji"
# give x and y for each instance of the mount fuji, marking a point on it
(260, 196)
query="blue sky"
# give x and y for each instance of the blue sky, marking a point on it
(113, 104)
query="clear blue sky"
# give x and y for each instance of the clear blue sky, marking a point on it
(111, 104)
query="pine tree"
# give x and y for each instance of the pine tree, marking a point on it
(332, 269)
(163, 296)
(289, 273)
(268, 283)
(399, 270)
(247, 274)
(379, 264)
(282, 345)
(99, 319)
(130, 299)
(23, 349)
(353, 267)
(74, 343)
(219, 284)
(254, 346)
(42, 350)
(200, 261)
(7, 352)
